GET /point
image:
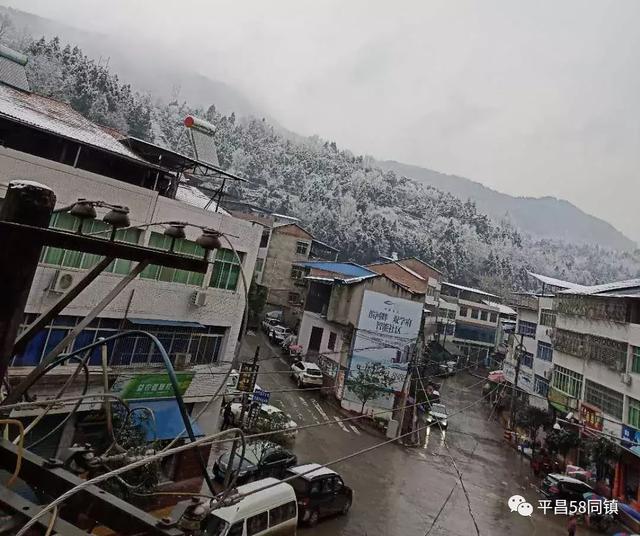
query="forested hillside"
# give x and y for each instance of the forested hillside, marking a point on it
(342, 198)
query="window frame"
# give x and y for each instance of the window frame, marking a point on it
(302, 248)
(633, 409)
(611, 402)
(548, 351)
(567, 381)
(635, 359)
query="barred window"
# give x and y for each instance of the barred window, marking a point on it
(634, 413)
(548, 318)
(608, 400)
(567, 381)
(528, 329)
(635, 359)
(527, 359)
(174, 275)
(608, 351)
(540, 385)
(545, 351)
(226, 270)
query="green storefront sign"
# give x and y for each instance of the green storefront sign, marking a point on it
(145, 386)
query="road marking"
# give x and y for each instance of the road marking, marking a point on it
(283, 361)
(341, 424)
(354, 429)
(303, 401)
(320, 410)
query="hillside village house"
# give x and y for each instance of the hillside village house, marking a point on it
(197, 317)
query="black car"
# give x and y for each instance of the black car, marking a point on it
(262, 459)
(320, 492)
(556, 486)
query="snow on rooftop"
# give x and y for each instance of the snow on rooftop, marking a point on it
(503, 309)
(555, 282)
(58, 118)
(16, 185)
(192, 196)
(605, 288)
(470, 289)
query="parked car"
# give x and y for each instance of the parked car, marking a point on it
(267, 508)
(320, 492)
(305, 374)
(267, 414)
(268, 323)
(278, 333)
(556, 486)
(438, 414)
(261, 459)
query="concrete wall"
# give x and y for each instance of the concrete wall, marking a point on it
(310, 320)
(281, 255)
(149, 299)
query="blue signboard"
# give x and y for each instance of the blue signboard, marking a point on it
(629, 437)
(261, 396)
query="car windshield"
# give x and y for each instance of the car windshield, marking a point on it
(216, 526)
(314, 372)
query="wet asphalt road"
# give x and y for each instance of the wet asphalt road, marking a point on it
(400, 490)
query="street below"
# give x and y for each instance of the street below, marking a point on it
(401, 490)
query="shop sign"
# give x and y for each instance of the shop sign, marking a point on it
(145, 386)
(629, 437)
(591, 416)
(558, 399)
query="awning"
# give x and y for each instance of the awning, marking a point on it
(174, 323)
(168, 420)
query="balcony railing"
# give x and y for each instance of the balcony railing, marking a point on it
(610, 352)
(614, 310)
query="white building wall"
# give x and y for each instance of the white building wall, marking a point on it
(311, 320)
(149, 299)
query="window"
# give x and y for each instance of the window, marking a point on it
(451, 314)
(294, 298)
(484, 315)
(463, 311)
(259, 265)
(474, 313)
(567, 381)
(236, 529)
(540, 386)
(77, 259)
(282, 513)
(528, 329)
(264, 241)
(635, 359)
(302, 248)
(527, 359)
(545, 351)
(172, 275)
(634, 412)
(297, 272)
(494, 318)
(226, 270)
(332, 341)
(327, 485)
(608, 400)
(257, 523)
(548, 318)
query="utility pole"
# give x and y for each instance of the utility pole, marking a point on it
(27, 203)
(517, 353)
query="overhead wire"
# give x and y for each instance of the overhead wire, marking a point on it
(20, 426)
(211, 439)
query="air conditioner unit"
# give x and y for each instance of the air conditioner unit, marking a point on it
(61, 281)
(199, 298)
(182, 360)
(548, 374)
(626, 379)
(549, 332)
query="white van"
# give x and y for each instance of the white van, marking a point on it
(267, 512)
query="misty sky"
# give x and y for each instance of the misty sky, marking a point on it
(528, 97)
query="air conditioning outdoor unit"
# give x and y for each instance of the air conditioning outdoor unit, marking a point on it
(61, 281)
(548, 374)
(199, 298)
(182, 360)
(626, 379)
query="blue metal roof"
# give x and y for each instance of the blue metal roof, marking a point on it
(350, 269)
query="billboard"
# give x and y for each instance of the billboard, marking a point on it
(144, 386)
(386, 333)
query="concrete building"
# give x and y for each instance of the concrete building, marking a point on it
(197, 317)
(284, 243)
(535, 323)
(334, 326)
(476, 321)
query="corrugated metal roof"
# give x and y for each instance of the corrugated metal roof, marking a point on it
(350, 269)
(502, 309)
(470, 289)
(609, 289)
(59, 118)
(555, 282)
(192, 196)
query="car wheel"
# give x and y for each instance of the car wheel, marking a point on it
(346, 508)
(314, 517)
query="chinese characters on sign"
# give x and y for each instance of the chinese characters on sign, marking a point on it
(590, 416)
(247, 377)
(569, 508)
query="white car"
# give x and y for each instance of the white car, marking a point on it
(267, 413)
(305, 373)
(438, 415)
(277, 334)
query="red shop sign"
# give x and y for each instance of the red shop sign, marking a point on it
(590, 416)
